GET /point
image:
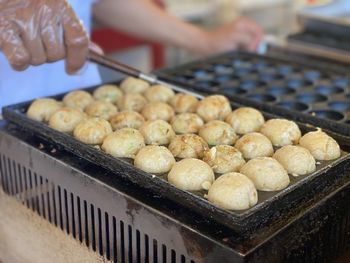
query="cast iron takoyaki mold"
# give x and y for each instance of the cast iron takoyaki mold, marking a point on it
(302, 92)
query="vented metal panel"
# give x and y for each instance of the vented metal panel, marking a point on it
(125, 232)
(102, 231)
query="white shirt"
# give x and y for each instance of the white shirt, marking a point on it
(48, 79)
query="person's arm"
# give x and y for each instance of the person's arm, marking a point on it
(144, 19)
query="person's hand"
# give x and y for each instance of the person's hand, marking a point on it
(241, 34)
(33, 32)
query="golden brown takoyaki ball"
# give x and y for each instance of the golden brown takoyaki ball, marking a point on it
(134, 85)
(92, 131)
(321, 146)
(182, 103)
(126, 119)
(42, 109)
(157, 132)
(254, 145)
(281, 132)
(101, 109)
(77, 99)
(191, 174)
(218, 133)
(66, 119)
(296, 160)
(233, 191)
(224, 159)
(188, 146)
(154, 159)
(125, 142)
(215, 107)
(159, 93)
(109, 93)
(245, 120)
(186, 123)
(132, 102)
(266, 173)
(157, 111)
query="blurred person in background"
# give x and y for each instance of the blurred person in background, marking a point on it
(45, 32)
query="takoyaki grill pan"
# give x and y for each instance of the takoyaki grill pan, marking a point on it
(273, 208)
(297, 91)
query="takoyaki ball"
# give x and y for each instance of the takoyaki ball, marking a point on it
(188, 146)
(159, 93)
(157, 111)
(134, 85)
(321, 146)
(224, 159)
(233, 191)
(296, 160)
(186, 123)
(154, 159)
(245, 120)
(218, 133)
(125, 142)
(109, 93)
(42, 109)
(266, 173)
(182, 103)
(92, 131)
(132, 102)
(215, 107)
(281, 132)
(157, 132)
(101, 109)
(191, 175)
(254, 145)
(66, 119)
(77, 99)
(126, 119)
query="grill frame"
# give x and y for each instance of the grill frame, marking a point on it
(269, 212)
(319, 233)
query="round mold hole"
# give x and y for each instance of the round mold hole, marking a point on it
(279, 91)
(206, 84)
(341, 82)
(311, 97)
(248, 84)
(199, 73)
(241, 71)
(340, 105)
(328, 90)
(312, 75)
(295, 83)
(262, 97)
(267, 77)
(242, 64)
(293, 105)
(285, 70)
(223, 78)
(328, 114)
(223, 70)
(232, 91)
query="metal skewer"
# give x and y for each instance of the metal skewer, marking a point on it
(130, 71)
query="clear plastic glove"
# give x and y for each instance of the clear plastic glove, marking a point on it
(241, 34)
(33, 32)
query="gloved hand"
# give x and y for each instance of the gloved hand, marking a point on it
(33, 32)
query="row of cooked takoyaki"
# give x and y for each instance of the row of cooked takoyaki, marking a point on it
(155, 126)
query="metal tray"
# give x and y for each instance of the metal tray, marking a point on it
(272, 208)
(302, 92)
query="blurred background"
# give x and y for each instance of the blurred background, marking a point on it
(277, 17)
